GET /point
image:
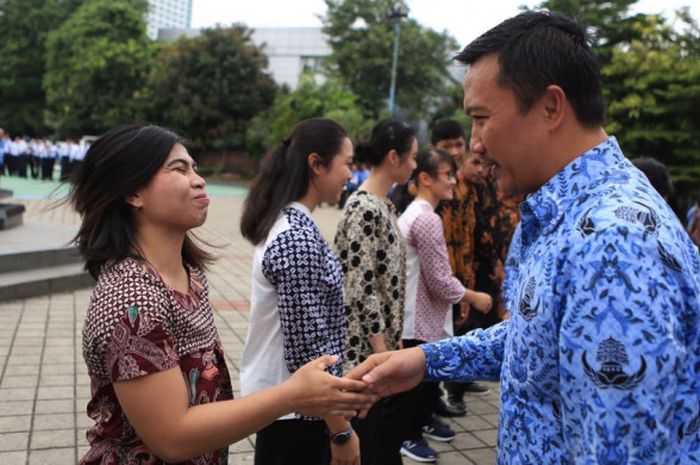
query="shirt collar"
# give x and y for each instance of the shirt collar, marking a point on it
(300, 206)
(543, 210)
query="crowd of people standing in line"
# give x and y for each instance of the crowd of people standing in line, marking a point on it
(38, 158)
(594, 336)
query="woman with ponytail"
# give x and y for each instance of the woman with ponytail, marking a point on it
(161, 391)
(373, 254)
(297, 309)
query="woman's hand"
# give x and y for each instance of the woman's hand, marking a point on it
(479, 300)
(312, 391)
(463, 314)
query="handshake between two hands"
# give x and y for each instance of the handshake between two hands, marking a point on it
(315, 392)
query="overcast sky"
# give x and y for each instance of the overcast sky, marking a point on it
(463, 19)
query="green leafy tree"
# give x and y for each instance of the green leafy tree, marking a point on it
(361, 59)
(208, 88)
(310, 99)
(651, 81)
(610, 21)
(97, 62)
(659, 113)
(24, 26)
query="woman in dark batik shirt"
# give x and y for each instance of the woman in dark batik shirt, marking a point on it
(297, 309)
(161, 391)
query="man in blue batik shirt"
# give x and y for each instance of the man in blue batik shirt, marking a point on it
(599, 361)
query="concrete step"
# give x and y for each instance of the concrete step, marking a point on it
(11, 215)
(33, 259)
(43, 281)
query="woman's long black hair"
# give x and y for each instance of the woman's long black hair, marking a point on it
(387, 135)
(284, 174)
(117, 165)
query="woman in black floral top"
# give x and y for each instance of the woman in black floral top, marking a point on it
(373, 255)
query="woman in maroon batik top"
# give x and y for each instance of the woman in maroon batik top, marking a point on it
(161, 391)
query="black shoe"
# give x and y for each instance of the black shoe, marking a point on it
(457, 402)
(447, 410)
(476, 389)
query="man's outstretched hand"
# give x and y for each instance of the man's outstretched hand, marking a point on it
(392, 372)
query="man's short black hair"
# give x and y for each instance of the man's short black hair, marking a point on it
(538, 49)
(446, 129)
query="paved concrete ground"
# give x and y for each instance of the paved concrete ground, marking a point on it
(44, 386)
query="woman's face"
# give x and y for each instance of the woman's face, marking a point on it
(443, 182)
(174, 198)
(332, 178)
(407, 164)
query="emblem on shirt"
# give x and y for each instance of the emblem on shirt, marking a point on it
(612, 356)
(528, 309)
(644, 216)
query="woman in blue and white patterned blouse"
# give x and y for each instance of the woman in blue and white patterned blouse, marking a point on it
(297, 312)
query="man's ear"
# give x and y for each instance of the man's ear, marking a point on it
(134, 200)
(554, 105)
(314, 163)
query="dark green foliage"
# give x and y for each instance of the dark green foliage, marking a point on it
(24, 25)
(328, 100)
(361, 59)
(96, 63)
(208, 88)
(651, 80)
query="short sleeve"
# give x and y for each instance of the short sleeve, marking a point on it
(138, 348)
(138, 344)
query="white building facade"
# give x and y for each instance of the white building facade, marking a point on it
(290, 51)
(167, 14)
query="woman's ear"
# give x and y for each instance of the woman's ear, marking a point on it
(394, 158)
(314, 163)
(424, 179)
(134, 200)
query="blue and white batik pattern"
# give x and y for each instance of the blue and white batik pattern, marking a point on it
(309, 280)
(599, 362)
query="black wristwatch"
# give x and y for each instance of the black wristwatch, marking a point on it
(342, 437)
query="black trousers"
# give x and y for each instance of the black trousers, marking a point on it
(34, 166)
(422, 401)
(47, 168)
(22, 161)
(383, 431)
(65, 168)
(292, 442)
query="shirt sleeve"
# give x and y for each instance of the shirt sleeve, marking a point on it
(623, 346)
(293, 262)
(359, 247)
(477, 355)
(140, 343)
(427, 234)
